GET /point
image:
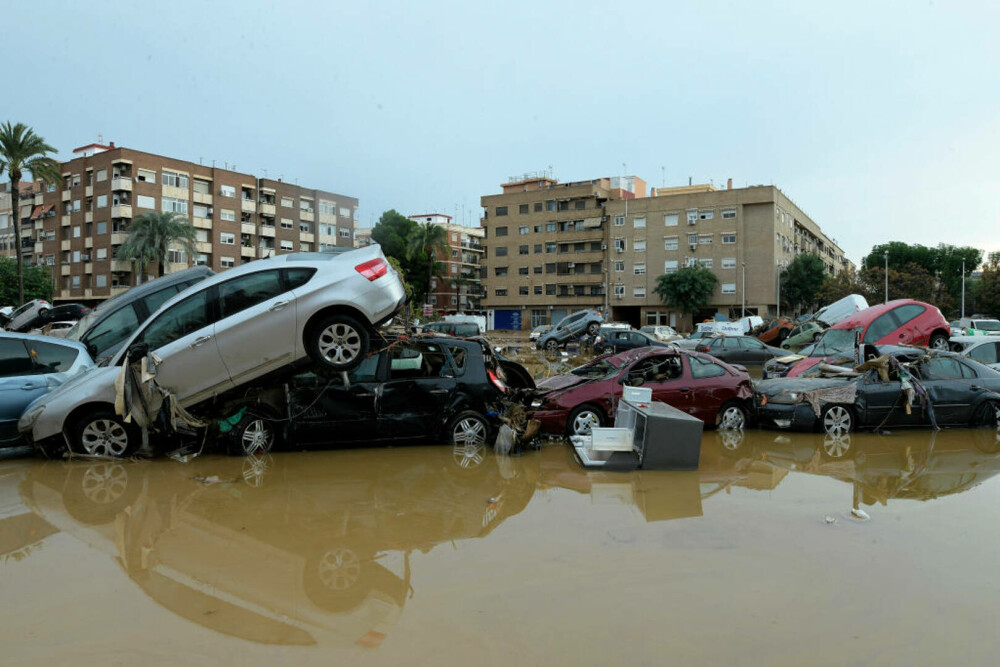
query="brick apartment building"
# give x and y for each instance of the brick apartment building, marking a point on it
(77, 226)
(552, 248)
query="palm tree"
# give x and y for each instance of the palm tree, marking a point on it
(428, 239)
(22, 151)
(150, 236)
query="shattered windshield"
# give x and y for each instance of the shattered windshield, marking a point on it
(834, 342)
(597, 369)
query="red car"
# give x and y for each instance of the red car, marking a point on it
(709, 389)
(899, 322)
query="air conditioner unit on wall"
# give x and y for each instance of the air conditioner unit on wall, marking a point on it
(693, 246)
(604, 246)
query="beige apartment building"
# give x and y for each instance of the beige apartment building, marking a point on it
(553, 248)
(76, 227)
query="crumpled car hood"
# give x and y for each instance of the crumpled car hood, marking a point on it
(776, 386)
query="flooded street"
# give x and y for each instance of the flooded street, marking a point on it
(423, 555)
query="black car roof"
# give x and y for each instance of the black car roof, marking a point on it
(155, 285)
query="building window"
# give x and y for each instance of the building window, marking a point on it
(500, 231)
(692, 240)
(102, 253)
(500, 291)
(327, 207)
(729, 262)
(639, 245)
(639, 269)
(202, 187)
(145, 176)
(524, 229)
(670, 220)
(729, 238)
(670, 266)
(287, 223)
(550, 205)
(692, 217)
(102, 227)
(706, 262)
(619, 221)
(287, 245)
(670, 243)
(344, 233)
(227, 262)
(619, 291)
(76, 281)
(145, 201)
(501, 210)
(538, 290)
(537, 270)
(454, 268)
(101, 280)
(728, 213)
(174, 180)
(705, 239)
(522, 290)
(226, 238)
(304, 227)
(287, 202)
(729, 288)
(76, 205)
(538, 248)
(522, 209)
(200, 211)
(501, 252)
(500, 271)
(102, 201)
(620, 245)
(522, 270)
(639, 291)
(619, 266)
(522, 250)
(706, 214)
(76, 232)
(538, 207)
(551, 247)
(102, 175)
(177, 256)
(580, 204)
(227, 215)
(227, 190)
(639, 223)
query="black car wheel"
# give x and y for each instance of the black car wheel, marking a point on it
(103, 433)
(939, 342)
(551, 345)
(469, 431)
(583, 419)
(255, 434)
(338, 343)
(732, 416)
(837, 420)
(593, 329)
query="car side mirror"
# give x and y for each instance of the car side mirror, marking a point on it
(92, 351)
(137, 352)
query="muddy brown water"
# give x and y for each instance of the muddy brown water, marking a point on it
(424, 555)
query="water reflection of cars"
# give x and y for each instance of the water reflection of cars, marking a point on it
(960, 392)
(706, 388)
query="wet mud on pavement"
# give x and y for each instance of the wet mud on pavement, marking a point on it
(780, 549)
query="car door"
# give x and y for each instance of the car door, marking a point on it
(418, 389)
(325, 411)
(912, 327)
(951, 388)
(883, 405)
(987, 353)
(19, 385)
(666, 376)
(621, 341)
(182, 337)
(753, 351)
(255, 332)
(709, 387)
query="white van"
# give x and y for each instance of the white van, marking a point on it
(840, 310)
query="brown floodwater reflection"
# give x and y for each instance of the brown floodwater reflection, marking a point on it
(423, 554)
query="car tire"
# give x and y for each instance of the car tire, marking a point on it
(255, 434)
(338, 343)
(468, 429)
(552, 345)
(593, 329)
(583, 418)
(732, 416)
(938, 342)
(103, 433)
(837, 420)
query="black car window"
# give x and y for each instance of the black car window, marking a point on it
(14, 358)
(985, 354)
(297, 277)
(417, 360)
(466, 330)
(51, 357)
(459, 359)
(941, 368)
(115, 328)
(752, 344)
(366, 371)
(178, 321)
(883, 325)
(703, 368)
(157, 299)
(908, 312)
(249, 290)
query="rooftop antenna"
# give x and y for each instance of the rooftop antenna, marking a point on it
(663, 177)
(213, 164)
(100, 138)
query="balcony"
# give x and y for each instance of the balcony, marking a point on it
(39, 247)
(202, 223)
(247, 206)
(248, 228)
(39, 199)
(267, 230)
(176, 193)
(267, 209)
(121, 211)
(65, 270)
(64, 221)
(67, 195)
(115, 291)
(307, 216)
(306, 237)
(88, 216)
(248, 251)
(88, 191)
(88, 267)
(118, 238)
(329, 218)
(64, 244)
(202, 198)
(121, 183)
(121, 266)
(204, 247)
(88, 242)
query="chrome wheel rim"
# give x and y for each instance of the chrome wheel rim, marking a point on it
(258, 437)
(585, 421)
(468, 455)
(837, 421)
(468, 433)
(732, 418)
(837, 446)
(254, 468)
(340, 344)
(551, 346)
(104, 437)
(104, 483)
(732, 440)
(940, 344)
(339, 569)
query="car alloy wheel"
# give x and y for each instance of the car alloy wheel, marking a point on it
(584, 421)
(104, 437)
(469, 432)
(837, 420)
(551, 346)
(837, 446)
(257, 437)
(939, 343)
(104, 483)
(340, 344)
(732, 418)
(339, 569)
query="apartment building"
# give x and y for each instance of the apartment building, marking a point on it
(459, 288)
(553, 248)
(77, 226)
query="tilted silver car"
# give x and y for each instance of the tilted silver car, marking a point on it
(572, 326)
(226, 331)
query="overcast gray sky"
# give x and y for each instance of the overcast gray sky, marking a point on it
(880, 120)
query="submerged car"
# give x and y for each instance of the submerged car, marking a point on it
(572, 326)
(706, 388)
(959, 392)
(619, 340)
(227, 331)
(30, 367)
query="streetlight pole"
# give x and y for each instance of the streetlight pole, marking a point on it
(963, 288)
(743, 304)
(886, 255)
(779, 292)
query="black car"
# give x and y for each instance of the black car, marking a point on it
(940, 389)
(739, 349)
(65, 312)
(459, 329)
(619, 340)
(436, 389)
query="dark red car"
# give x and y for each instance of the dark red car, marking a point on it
(709, 389)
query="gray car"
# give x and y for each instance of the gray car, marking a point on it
(22, 318)
(572, 326)
(227, 331)
(30, 367)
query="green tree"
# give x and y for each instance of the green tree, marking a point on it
(150, 236)
(393, 232)
(37, 282)
(23, 152)
(424, 243)
(987, 290)
(837, 287)
(687, 289)
(801, 280)
(943, 264)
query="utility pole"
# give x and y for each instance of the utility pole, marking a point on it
(743, 305)
(886, 255)
(963, 288)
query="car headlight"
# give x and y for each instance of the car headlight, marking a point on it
(28, 419)
(537, 403)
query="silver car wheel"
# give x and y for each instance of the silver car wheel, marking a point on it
(837, 446)
(732, 418)
(339, 569)
(468, 455)
(104, 483)
(468, 432)
(837, 421)
(939, 343)
(551, 345)
(257, 438)
(340, 344)
(585, 421)
(104, 437)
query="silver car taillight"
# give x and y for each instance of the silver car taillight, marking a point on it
(372, 269)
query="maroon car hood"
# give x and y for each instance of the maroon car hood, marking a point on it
(560, 382)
